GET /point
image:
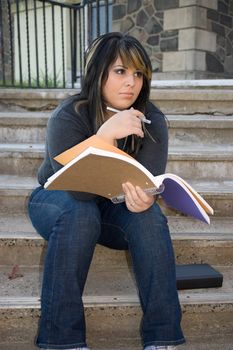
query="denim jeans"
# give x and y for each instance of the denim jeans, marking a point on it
(72, 229)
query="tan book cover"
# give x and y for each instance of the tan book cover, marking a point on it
(93, 141)
(94, 166)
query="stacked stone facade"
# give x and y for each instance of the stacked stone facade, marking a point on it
(144, 19)
(220, 21)
(186, 39)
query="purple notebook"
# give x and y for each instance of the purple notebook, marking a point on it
(176, 197)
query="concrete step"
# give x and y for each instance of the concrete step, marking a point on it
(193, 101)
(192, 83)
(112, 310)
(193, 343)
(191, 162)
(15, 190)
(197, 162)
(29, 127)
(32, 99)
(21, 159)
(14, 193)
(23, 127)
(177, 100)
(193, 241)
(201, 130)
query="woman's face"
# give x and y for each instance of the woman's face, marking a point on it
(122, 86)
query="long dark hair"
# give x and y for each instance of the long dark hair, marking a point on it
(101, 54)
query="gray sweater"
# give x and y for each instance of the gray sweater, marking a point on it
(67, 127)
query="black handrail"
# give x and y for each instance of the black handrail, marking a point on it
(42, 42)
(11, 41)
(19, 44)
(64, 5)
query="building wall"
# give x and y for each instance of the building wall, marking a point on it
(220, 21)
(186, 39)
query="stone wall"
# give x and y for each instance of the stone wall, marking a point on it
(220, 21)
(186, 39)
(144, 19)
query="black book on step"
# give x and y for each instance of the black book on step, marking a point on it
(194, 276)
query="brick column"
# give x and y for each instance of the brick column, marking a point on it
(195, 39)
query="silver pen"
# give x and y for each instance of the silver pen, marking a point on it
(143, 119)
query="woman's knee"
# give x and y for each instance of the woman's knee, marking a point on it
(151, 216)
(80, 218)
(81, 210)
(157, 215)
(50, 208)
(151, 223)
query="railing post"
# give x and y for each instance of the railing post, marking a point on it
(36, 45)
(2, 46)
(19, 43)
(43, 43)
(11, 43)
(28, 46)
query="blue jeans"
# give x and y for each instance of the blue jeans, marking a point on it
(72, 229)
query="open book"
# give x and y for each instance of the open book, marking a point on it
(94, 166)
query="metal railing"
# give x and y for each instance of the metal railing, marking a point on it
(42, 42)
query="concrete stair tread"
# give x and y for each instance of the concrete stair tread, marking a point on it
(193, 83)
(201, 152)
(209, 152)
(14, 182)
(213, 187)
(39, 93)
(35, 117)
(193, 343)
(199, 121)
(193, 241)
(21, 147)
(15, 190)
(20, 227)
(189, 99)
(189, 148)
(29, 118)
(221, 90)
(190, 93)
(107, 286)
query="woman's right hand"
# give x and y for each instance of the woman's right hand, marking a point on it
(122, 124)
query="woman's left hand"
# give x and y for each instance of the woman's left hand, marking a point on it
(136, 199)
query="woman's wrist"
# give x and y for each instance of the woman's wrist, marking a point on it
(106, 138)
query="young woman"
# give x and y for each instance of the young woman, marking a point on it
(117, 75)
